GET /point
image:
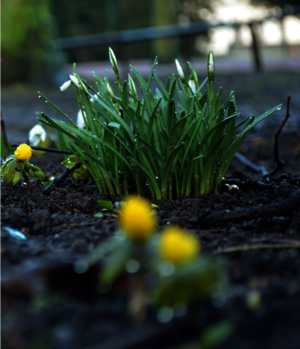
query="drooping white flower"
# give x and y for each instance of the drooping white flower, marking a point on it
(37, 135)
(80, 120)
(66, 85)
(76, 82)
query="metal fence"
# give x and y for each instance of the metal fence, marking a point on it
(121, 38)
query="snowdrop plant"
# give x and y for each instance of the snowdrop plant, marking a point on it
(37, 136)
(164, 142)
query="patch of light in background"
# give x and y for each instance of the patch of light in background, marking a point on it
(220, 41)
(272, 33)
(291, 25)
(241, 11)
(245, 37)
(228, 12)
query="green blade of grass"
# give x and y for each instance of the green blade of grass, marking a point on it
(168, 169)
(57, 109)
(151, 178)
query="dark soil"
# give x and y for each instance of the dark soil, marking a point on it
(46, 304)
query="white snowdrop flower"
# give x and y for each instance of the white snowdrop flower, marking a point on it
(37, 135)
(66, 85)
(80, 120)
(180, 71)
(76, 81)
(192, 85)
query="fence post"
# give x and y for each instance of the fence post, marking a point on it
(255, 47)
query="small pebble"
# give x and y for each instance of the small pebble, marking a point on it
(233, 186)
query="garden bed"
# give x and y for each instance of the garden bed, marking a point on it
(47, 302)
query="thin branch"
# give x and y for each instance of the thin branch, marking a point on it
(280, 163)
(250, 164)
(257, 211)
(57, 182)
(3, 132)
(49, 150)
(246, 247)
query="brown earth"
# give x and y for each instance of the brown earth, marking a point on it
(46, 304)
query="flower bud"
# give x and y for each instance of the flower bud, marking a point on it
(192, 84)
(23, 152)
(76, 82)
(137, 219)
(66, 85)
(113, 60)
(132, 87)
(111, 93)
(178, 246)
(211, 66)
(80, 119)
(180, 71)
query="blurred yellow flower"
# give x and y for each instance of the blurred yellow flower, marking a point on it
(23, 152)
(178, 246)
(137, 218)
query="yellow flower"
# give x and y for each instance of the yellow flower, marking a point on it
(23, 152)
(137, 218)
(178, 246)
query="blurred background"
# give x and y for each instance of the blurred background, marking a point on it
(41, 39)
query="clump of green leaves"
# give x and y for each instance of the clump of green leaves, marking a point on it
(166, 142)
(163, 269)
(13, 169)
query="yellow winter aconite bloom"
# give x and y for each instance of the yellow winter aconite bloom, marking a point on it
(23, 152)
(178, 246)
(137, 218)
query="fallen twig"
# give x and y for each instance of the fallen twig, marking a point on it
(74, 225)
(49, 150)
(247, 247)
(58, 181)
(280, 163)
(257, 211)
(250, 164)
